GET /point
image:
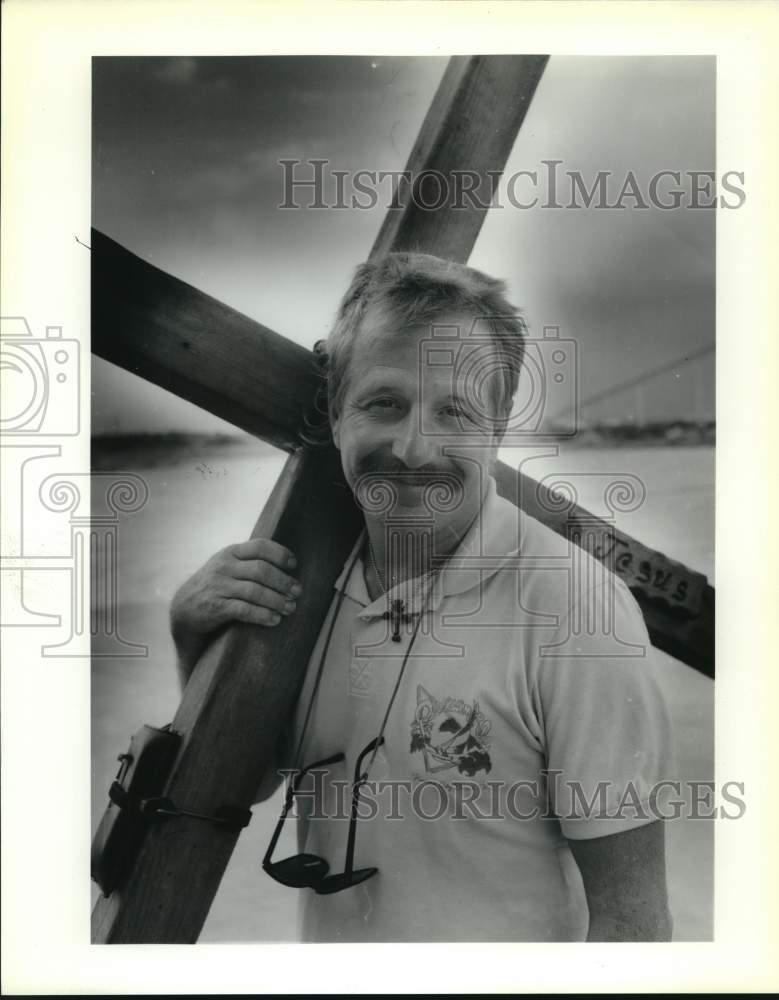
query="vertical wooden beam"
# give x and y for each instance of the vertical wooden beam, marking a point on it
(238, 696)
(460, 154)
(226, 703)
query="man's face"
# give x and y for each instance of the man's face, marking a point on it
(411, 425)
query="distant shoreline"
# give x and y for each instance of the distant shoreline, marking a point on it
(111, 451)
(664, 434)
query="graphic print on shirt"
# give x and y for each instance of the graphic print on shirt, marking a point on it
(450, 733)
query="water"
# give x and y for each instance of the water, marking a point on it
(200, 501)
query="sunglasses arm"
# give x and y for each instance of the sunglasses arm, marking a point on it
(291, 792)
(359, 780)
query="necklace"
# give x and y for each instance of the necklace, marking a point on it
(395, 612)
(375, 566)
(323, 656)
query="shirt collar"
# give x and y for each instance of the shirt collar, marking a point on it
(491, 542)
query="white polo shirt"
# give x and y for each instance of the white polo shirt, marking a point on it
(527, 713)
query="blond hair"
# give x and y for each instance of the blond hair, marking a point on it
(414, 289)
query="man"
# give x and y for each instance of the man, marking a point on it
(479, 703)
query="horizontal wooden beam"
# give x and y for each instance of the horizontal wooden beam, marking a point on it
(176, 336)
(677, 602)
(266, 362)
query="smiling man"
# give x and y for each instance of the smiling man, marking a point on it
(479, 733)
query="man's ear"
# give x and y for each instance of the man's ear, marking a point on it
(335, 431)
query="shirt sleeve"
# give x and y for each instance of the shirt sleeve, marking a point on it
(607, 731)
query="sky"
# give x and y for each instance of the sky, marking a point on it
(186, 174)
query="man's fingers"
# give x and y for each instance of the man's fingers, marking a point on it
(259, 571)
(255, 593)
(240, 611)
(264, 548)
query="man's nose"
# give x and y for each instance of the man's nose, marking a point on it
(413, 447)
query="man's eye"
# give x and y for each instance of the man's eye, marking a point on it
(457, 412)
(382, 403)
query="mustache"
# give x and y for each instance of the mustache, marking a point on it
(379, 476)
(382, 465)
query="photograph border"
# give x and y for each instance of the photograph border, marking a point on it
(47, 51)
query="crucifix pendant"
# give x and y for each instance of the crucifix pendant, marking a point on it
(396, 616)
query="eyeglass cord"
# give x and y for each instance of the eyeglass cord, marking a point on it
(325, 648)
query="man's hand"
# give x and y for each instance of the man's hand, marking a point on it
(624, 880)
(248, 582)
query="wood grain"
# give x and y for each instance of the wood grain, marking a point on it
(685, 630)
(242, 689)
(471, 127)
(689, 638)
(176, 336)
(238, 697)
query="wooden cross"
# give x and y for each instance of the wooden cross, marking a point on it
(245, 685)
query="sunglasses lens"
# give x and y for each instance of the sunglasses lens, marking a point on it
(299, 872)
(334, 883)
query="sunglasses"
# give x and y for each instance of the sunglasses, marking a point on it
(309, 871)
